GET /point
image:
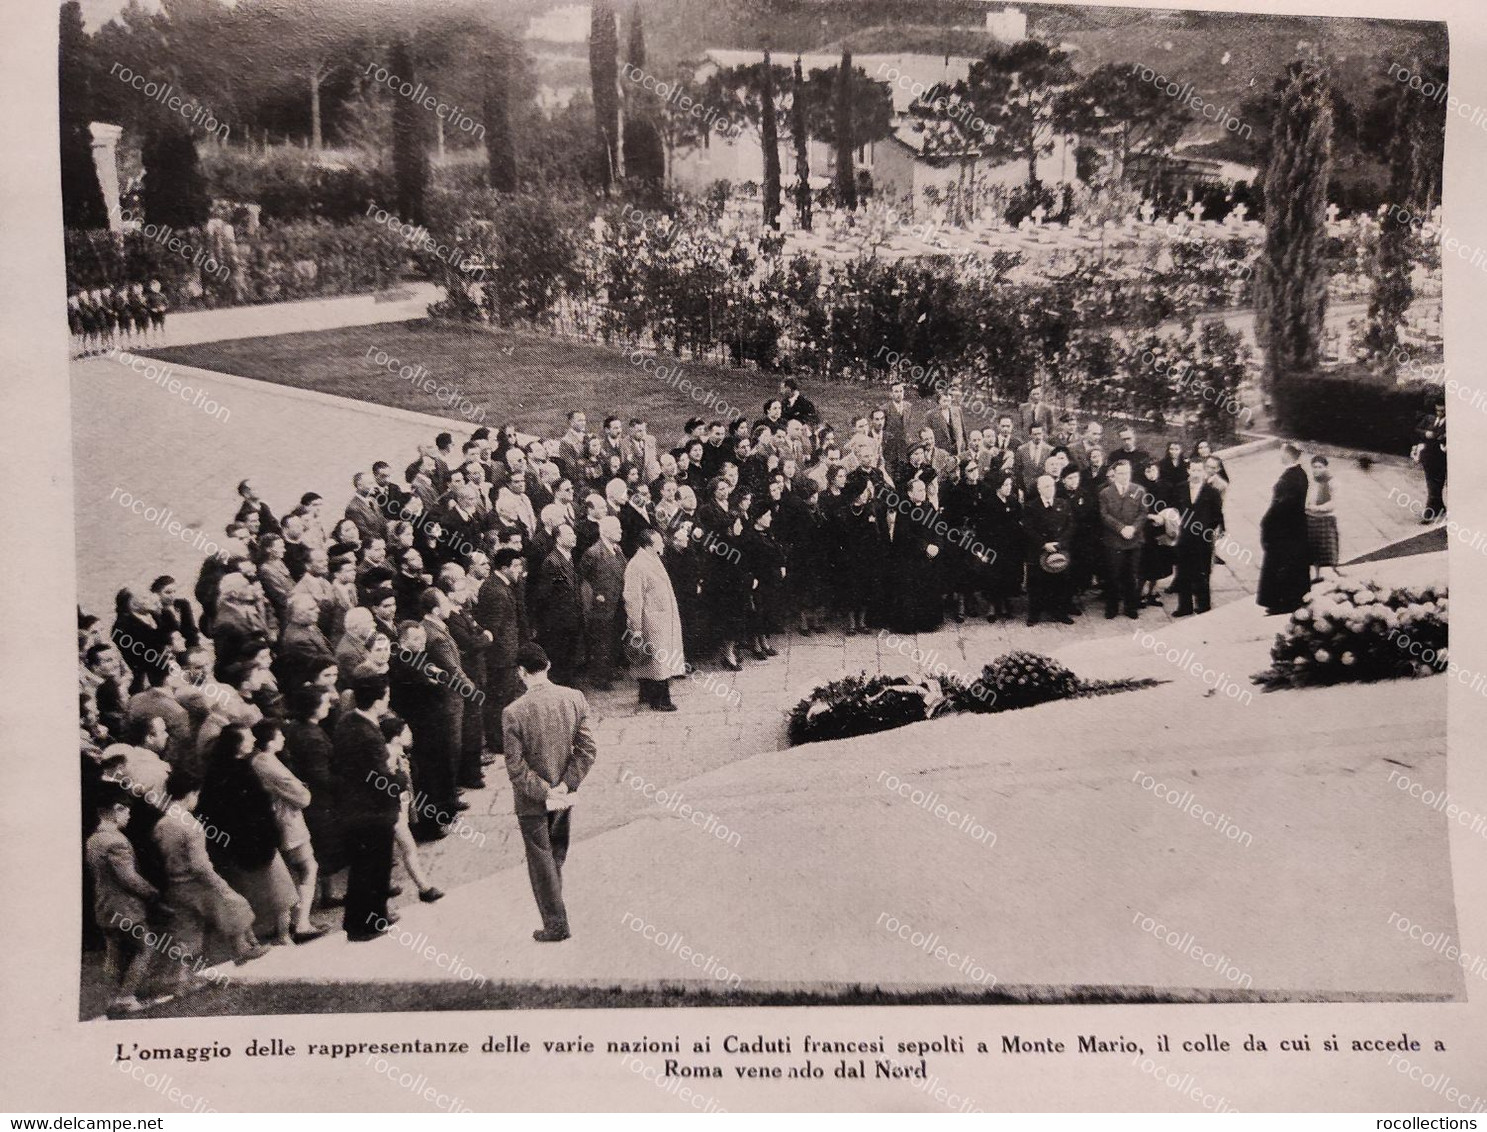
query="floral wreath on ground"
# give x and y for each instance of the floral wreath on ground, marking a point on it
(1354, 630)
(863, 704)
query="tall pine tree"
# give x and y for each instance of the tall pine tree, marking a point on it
(1291, 284)
(603, 77)
(500, 146)
(846, 175)
(769, 139)
(801, 139)
(410, 159)
(82, 198)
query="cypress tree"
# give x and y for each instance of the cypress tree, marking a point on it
(410, 162)
(802, 151)
(769, 138)
(644, 151)
(175, 190)
(82, 197)
(500, 147)
(1291, 285)
(1393, 290)
(603, 75)
(846, 176)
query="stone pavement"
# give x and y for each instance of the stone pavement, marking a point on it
(1288, 893)
(190, 462)
(397, 304)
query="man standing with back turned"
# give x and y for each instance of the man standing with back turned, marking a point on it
(549, 749)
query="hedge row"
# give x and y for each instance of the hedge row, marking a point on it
(1355, 408)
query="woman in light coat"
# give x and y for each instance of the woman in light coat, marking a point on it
(654, 625)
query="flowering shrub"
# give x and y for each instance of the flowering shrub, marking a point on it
(280, 261)
(1349, 629)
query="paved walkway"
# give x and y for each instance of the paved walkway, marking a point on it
(192, 461)
(188, 464)
(397, 304)
(1076, 863)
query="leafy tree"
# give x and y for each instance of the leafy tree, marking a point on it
(1020, 91)
(736, 94)
(871, 105)
(801, 138)
(946, 124)
(82, 197)
(410, 161)
(1136, 116)
(309, 41)
(1291, 283)
(770, 137)
(604, 77)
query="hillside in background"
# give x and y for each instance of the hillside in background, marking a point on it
(1227, 57)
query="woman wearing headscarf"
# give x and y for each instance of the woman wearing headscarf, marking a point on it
(653, 623)
(246, 851)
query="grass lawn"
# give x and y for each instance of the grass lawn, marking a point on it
(526, 377)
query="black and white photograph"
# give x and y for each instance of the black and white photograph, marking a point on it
(713, 504)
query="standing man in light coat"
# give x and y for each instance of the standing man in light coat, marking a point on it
(654, 624)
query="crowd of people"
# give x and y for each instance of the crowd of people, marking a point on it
(338, 678)
(101, 318)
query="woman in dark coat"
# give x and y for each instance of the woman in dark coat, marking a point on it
(917, 576)
(310, 756)
(1000, 529)
(1158, 557)
(862, 554)
(765, 562)
(801, 532)
(1084, 546)
(725, 580)
(418, 697)
(683, 562)
(243, 833)
(833, 503)
(959, 499)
